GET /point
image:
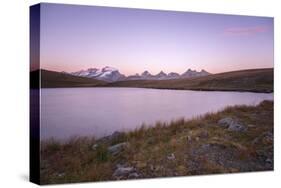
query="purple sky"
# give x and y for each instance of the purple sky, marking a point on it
(134, 40)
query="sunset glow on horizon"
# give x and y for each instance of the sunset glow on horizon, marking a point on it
(134, 40)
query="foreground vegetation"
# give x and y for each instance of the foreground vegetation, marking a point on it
(254, 80)
(237, 139)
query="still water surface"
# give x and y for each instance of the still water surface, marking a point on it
(101, 111)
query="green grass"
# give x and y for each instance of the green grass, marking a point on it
(200, 146)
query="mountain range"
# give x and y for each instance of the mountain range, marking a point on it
(111, 74)
(252, 80)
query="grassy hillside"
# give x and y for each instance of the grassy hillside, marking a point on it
(256, 80)
(204, 145)
(52, 79)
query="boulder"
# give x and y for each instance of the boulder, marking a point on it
(122, 171)
(235, 126)
(232, 124)
(115, 149)
(225, 122)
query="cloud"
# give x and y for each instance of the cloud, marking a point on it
(245, 31)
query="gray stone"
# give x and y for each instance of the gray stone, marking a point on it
(122, 171)
(171, 157)
(269, 161)
(225, 122)
(265, 137)
(94, 147)
(61, 174)
(235, 126)
(232, 124)
(268, 136)
(115, 149)
(133, 175)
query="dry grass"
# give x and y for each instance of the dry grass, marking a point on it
(52, 79)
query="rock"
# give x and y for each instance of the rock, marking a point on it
(269, 161)
(268, 137)
(171, 157)
(61, 174)
(94, 147)
(232, 124)
(133, 175)
(235, 126)
(225, 122)
(122, 171)
(115, 149)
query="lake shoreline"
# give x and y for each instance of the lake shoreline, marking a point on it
(179, 148)
(177, 89)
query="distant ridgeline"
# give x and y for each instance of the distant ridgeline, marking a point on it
(110, 74)
(253, 80)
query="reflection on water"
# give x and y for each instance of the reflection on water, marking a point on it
(101, 111)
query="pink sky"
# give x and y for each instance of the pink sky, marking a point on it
(134, 40)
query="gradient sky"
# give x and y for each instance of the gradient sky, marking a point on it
(134, 40)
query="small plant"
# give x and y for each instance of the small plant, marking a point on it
(102, 153)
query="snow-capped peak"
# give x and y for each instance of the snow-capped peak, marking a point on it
(112, 74)
(107, 73)
(107, 68)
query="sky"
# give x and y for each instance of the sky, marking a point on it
(74, 37)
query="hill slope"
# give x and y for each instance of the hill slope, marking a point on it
(52, 79)
(255, 80)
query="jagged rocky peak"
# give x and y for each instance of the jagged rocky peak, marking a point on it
(107, 68)
(112, 74)
(107, 73)
(161, 73)
(173, 74)
(146, 73)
